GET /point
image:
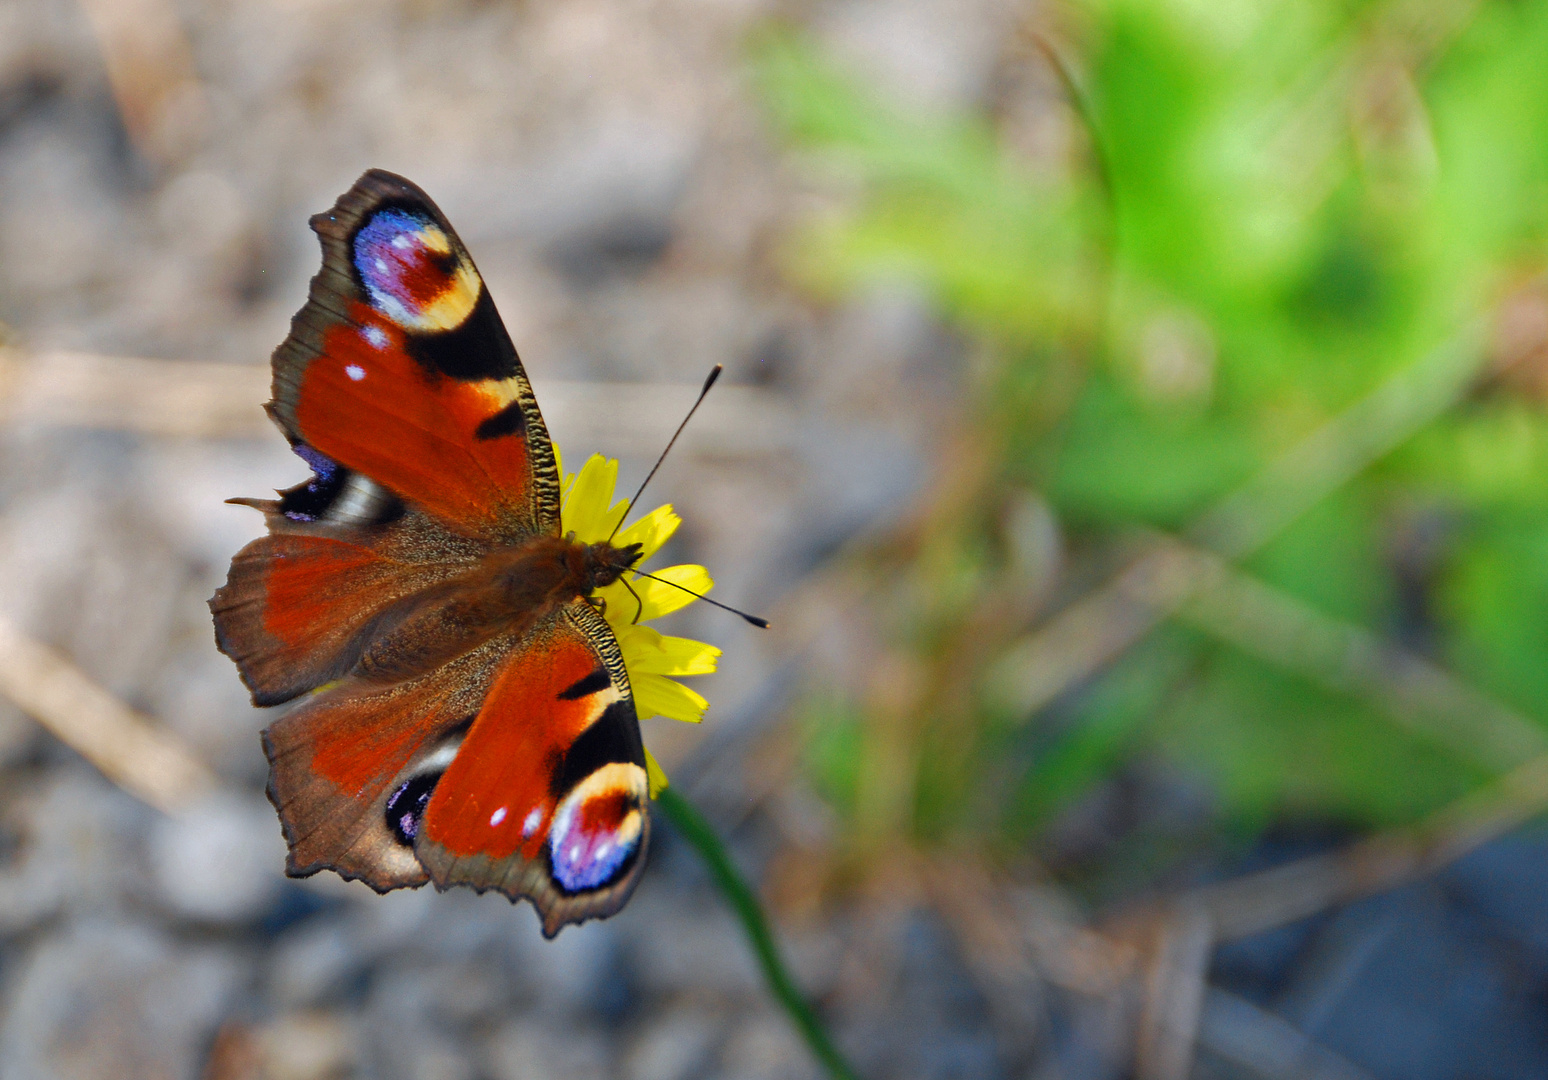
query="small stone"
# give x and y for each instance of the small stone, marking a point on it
(110, 1000)
(674, 1048)
(529, 1050)
(308, 1046)
(221, 861)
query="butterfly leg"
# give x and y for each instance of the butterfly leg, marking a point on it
(598, 602)
(639, 605)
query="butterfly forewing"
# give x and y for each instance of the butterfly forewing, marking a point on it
(400, 369)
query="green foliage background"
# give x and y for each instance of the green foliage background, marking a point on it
(1300, 199)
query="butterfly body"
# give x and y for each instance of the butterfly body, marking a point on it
(462, 714)
(508, 591)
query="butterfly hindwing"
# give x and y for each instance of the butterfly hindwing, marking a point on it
(399, 368)
(339, 758)
(546, 796)
(300, 603)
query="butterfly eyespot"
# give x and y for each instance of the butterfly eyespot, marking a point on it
(406, 806)
(597, 828)
(336, 494)
(413, 274)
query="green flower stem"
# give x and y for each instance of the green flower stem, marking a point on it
(698, 833)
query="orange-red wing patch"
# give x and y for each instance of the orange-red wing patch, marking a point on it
(546, 796)
(294, 607)
(337, 760)
(379, 411)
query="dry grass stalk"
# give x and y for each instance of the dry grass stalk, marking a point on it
(1286, 894)
(1269, 1045)
(1343, 657)
(201, 399)
(986, 928)
(1161, 954)
(145, 760)
(150, 66)
(1172, 993)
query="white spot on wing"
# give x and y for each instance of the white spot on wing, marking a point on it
(441, 758)
(375, 336)
(401, 241)
(497, 817)
(354, 371)
(534, 819)
(381, 265)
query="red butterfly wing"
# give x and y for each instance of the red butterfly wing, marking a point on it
(546, 797)
(300, 603)
(400, 369)
(338, 759)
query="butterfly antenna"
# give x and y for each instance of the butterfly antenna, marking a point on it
(709, 382)
(763, 623)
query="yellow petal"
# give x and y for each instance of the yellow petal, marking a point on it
(687, 656)
(655, 774)
(648, 651)
(589, 512)
(657, 695)
(651, 531)
(661, 599)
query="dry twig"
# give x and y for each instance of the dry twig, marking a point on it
(147, 761)
(1426, 698)
(150, 67)
(1172, 993)
(200, 399)
(1161, 954)
(1269, 1045)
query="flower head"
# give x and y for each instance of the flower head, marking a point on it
(654, 660)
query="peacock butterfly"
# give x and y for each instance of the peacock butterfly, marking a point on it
(465, 717)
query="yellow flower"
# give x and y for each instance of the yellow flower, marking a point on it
(653, 659)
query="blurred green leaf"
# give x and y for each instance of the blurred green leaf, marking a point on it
(1281, 205)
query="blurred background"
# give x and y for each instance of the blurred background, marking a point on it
(1135, 425)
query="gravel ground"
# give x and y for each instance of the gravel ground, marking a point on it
(608, 169)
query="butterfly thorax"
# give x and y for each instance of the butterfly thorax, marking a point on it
(603, 563)
(507, 592)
